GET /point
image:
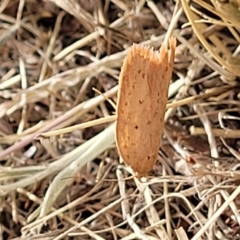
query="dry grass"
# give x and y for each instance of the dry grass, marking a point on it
(60, 175)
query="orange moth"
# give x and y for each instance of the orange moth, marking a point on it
(142, 98)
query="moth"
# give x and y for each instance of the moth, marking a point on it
(142, 97)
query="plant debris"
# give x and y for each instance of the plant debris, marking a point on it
(60, 174)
